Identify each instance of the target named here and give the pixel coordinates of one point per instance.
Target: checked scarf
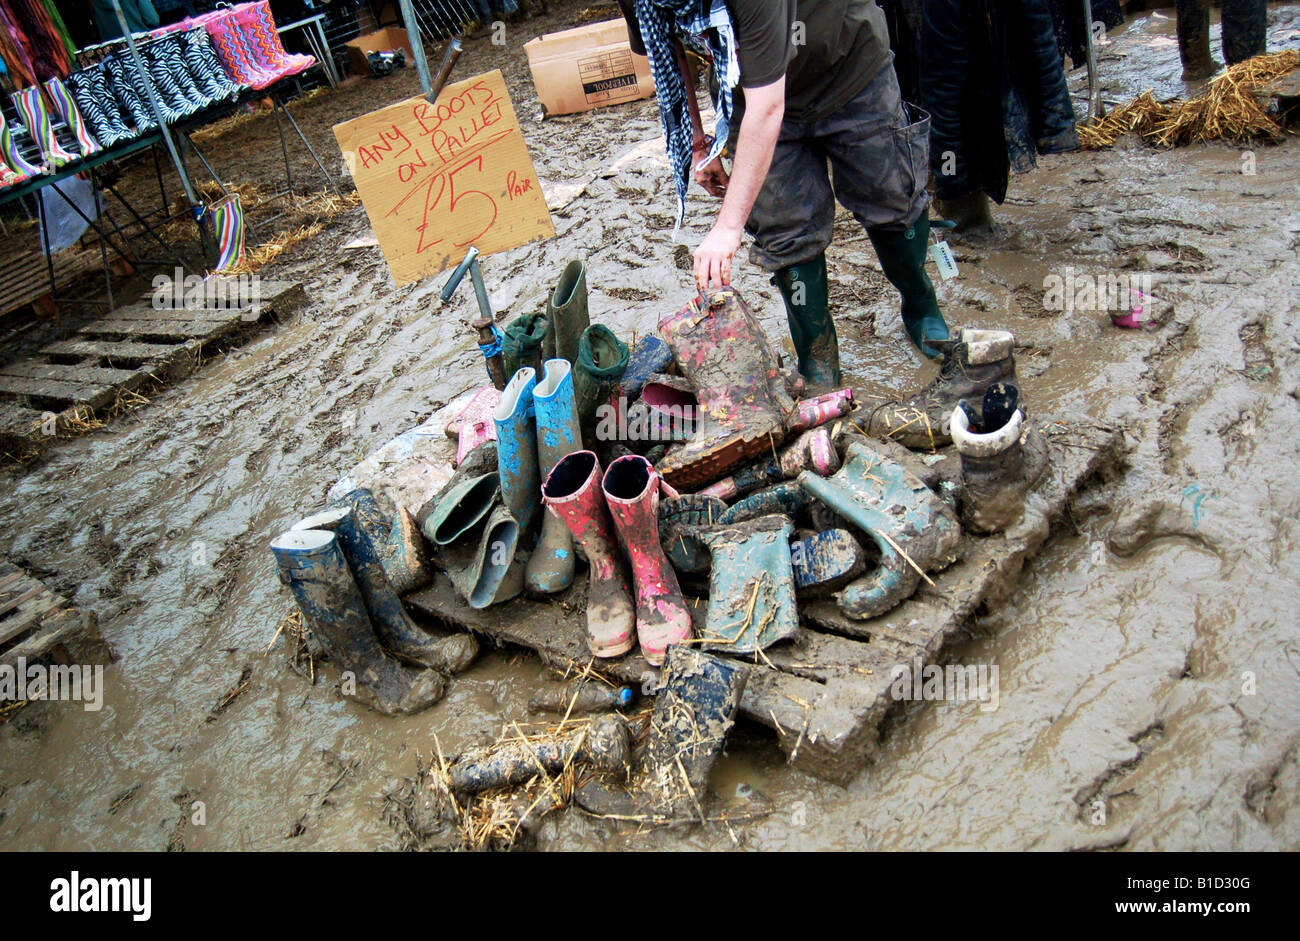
(690, 20)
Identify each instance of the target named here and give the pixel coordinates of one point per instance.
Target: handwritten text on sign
(437, 178)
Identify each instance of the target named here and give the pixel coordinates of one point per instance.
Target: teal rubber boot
(806, 294)
(902, 257)
(904, 518)
(550, 568)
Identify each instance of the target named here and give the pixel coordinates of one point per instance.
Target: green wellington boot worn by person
(902, 257)
(803, 288)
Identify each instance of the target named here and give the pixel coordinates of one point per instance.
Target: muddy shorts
(873, 155)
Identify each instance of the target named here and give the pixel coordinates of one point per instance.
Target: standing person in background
(993, 80)
(1244, 25)
(140, 17)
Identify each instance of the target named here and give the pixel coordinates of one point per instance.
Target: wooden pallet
(156, 340)
(25, 277)
(825, 694)
(38, 625)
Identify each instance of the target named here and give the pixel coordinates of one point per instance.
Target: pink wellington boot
(474, 425)
(631, 487)
(573, 493)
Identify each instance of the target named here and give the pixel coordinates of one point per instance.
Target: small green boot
(803, 288)
(566, 309)
(902, 257)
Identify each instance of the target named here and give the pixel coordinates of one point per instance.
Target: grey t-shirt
(828, 50)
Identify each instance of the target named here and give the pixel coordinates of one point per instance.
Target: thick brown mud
(1149, 661)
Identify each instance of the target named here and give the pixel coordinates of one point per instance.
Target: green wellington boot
(805, 292)
(566, 310)
(902, 258)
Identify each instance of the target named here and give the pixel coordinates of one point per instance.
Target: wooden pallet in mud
(157, 340)
(38, 625)
(25, 277)
(825, 694)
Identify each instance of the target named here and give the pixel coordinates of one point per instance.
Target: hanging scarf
(705, 25)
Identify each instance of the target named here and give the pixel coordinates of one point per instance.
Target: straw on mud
(577, 688)
(907, 558)
(1228, 110)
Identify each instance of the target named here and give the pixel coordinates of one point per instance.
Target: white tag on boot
(943, 259)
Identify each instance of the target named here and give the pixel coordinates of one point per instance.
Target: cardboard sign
(438, 178)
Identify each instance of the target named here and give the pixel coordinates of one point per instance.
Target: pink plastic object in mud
(1140, 317)
(474, 425)
(809, 413)
(632, 486)
(811, 451)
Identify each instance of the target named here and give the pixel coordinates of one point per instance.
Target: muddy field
(1149, 660)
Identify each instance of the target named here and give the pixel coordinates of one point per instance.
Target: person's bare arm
(759, 130)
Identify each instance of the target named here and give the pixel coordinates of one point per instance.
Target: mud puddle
(1147, 700)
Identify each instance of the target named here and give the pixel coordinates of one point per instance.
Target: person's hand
(713, 257)
(711, 176)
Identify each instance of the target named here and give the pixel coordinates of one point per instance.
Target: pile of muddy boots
(342, 566)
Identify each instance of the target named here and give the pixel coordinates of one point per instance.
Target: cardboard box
(381, 40)
(588, 67)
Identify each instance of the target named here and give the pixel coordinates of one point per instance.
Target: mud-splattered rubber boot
(604, 746)
(522, 343)
(573, 493)
(517, 450)
(694, 711)
(751, 586)
(896, 511)
(806, 294)
(474, 425)
(396, 539)
(399, 635)
(631, 489)
(550, 568)
(1245, 25)
(312, 564)
(461, 508)
(821, 409)
(743, 403)
(602, 360)
(825, 561)
(902, 255)
(999, 465)
(651, 355)
(786, 498)
(972, 361)
(811, 451)
(567, 313)
(681, 522)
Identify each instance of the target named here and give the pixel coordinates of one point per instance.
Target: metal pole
(1095, 108)
(142, 76)
(412, 27)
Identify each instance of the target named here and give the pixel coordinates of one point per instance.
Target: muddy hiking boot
(550, 567)
(573, 494)
(1002, 457)
(567, 314)
(398, 634)
(902, 254)
(972, 361)
(695, 709)
(312, 564)
(805, 292)
(744, 407)
(631, 487)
